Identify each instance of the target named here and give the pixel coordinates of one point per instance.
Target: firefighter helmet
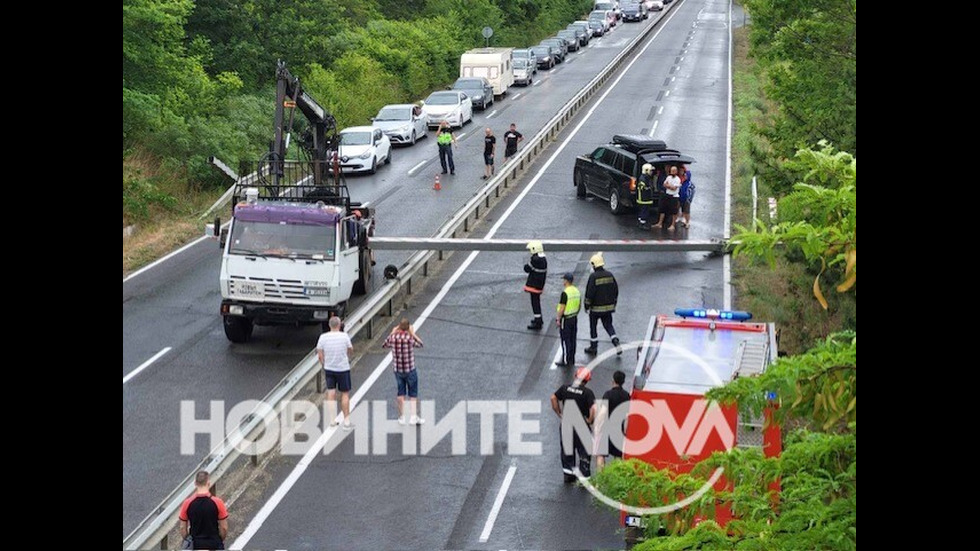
(535, 247)
(597, 261)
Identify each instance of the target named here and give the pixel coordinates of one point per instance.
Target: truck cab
(293, 255)
(684, 356)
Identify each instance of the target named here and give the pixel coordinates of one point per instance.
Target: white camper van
(493, 64)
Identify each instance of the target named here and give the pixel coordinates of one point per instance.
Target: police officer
(568, 306)
(446, 141)
(537, 272)
(575, 394)
(644, 193)
(601, 294)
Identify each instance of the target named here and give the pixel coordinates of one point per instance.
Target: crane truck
(296, 249)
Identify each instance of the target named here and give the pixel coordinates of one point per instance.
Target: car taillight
(632, 184)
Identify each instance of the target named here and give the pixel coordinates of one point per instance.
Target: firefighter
(537, 272)
(601, 294)
(575, 395)
(569, 305)
(644, 193)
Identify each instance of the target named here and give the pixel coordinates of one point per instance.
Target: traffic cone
(437, 186)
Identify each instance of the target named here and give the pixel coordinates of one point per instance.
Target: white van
(493, 64)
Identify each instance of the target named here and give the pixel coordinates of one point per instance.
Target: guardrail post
(466, 224)
(370, 327)
(319, 381)
(476, 212)
(408, 286)
(390, 312)
(440, 255)
(425, 272)
(163, 543)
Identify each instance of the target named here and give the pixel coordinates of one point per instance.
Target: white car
(363, 148)
(399, 123)
(655, 5)
(452, 106)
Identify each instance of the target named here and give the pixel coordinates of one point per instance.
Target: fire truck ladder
(751, 359)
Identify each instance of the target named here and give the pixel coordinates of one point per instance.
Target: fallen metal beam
(225, 169)
(550, 245)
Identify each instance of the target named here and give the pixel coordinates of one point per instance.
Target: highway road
(472, 317)
(174, 348)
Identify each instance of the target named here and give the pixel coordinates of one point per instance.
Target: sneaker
(347, 425)
(444, 172)
(561, 363)
(416, 420)
(334, 423)
(401, 420)
(453, 173)
(484, 177)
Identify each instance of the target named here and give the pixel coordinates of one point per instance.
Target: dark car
(560, 47)
(597, 25)
(571, 37)
(478, 89)
(526, 53)
(612, 170)
(582, 31)
(634, 10)
(544, 57)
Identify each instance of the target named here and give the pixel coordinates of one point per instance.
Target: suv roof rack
(637, 143)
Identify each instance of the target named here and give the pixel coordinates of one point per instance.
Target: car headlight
(365, 155)
(547, 58)
(406, 128)
(478, 96)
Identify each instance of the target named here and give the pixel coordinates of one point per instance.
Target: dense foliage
(816, 503)
(807, 52)
(198, 76)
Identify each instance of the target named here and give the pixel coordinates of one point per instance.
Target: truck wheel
(580, 190)
(237, 328)
(615, 202)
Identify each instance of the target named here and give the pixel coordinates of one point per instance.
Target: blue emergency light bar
(703, 313)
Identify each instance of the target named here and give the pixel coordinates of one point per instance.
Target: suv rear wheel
(615, 202)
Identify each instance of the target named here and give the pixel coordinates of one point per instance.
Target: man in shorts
(334, 349)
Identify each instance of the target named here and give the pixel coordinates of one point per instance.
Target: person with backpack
(686, 196)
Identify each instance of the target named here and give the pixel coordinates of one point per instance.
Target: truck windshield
(282, 240)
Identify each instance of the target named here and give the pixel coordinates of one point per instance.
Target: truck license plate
(249, 289)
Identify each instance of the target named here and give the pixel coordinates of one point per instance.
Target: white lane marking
(667, 93)
(492, 113)
(460, 137)
(682, 57)
(570, 61)
(557, 357)
(654, 129)
(536, 82)
(553, 70)
(497, 504)
(169, 255)
(517, 95)
(672, 79)
(726, 265)
(145, 365)
(661, 110)
(256, 523)
(411, 171)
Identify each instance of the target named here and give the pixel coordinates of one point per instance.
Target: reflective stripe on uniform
(530, 289)
(603, 308)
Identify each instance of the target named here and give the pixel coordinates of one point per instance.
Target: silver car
(401, 124)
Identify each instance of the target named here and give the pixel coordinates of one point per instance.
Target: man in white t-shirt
(670, 199)
(334, 349)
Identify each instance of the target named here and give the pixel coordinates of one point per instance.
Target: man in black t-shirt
(203, 516)
(584, 400)
(612, 399)
(511, 138)
(489, 148)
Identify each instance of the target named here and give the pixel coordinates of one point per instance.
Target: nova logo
(688, 437)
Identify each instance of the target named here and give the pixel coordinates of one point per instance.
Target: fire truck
(684, 356)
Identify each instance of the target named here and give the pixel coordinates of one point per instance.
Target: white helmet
(535, 247)
(648, 168)
(597, 261)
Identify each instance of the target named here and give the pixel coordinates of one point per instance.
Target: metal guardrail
(154, 529)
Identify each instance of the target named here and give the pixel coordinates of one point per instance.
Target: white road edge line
(145, 365)
(497, 504)
(411, 171)
(169, 255)
(517, 95)
(726, 263)
(269, 506)
(492, 113)
(536, 82)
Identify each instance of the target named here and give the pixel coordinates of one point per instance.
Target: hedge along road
(477, 348)
(175, 304)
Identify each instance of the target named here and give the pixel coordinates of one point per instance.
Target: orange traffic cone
(437, 186)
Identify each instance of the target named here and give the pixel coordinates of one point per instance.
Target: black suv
(612, 170)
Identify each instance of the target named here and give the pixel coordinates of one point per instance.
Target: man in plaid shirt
(403, 341)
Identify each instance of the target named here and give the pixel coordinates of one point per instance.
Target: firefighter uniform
(575, 395)
(644, 193)
(537, 272)
(601, 294)
(569, 305)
